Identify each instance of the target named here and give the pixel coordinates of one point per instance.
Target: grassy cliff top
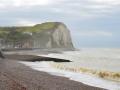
(35, 28)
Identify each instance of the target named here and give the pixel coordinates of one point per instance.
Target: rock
(49, 35)
(1, 55)
(57, 37)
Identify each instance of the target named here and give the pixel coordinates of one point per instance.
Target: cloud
(95, 33)
(25, 23)
(68, 9)
(28, 3)
(87, 8)
(108, 2)
(19, 3)
(95, 19)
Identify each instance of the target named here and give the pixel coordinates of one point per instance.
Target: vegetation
(36, 28)
(21, 33)
(40, 27)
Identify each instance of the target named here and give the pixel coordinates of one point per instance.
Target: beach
(17, 76)
(86, 68)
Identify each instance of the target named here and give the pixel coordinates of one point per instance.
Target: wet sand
(16, 76)
(33, 58)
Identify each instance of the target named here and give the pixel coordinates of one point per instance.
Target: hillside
(46, 35)
(35, 28)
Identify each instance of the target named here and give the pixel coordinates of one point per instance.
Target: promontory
(47, 35)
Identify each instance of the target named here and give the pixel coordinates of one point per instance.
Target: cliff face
(49, 35)
(57, 37)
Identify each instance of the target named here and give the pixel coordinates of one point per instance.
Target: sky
(93, 23)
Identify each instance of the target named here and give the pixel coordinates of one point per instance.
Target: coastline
(16, 76)
(87, 79)
(40, 65)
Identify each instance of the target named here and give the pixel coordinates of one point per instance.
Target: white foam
(97, 59)
(80, 77)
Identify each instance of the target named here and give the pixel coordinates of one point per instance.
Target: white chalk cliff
(56, 37)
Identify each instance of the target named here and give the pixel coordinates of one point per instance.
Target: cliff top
(35, 28)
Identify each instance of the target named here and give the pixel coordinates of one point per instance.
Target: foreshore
(17, 76)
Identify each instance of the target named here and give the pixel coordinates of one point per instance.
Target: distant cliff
(47, 35)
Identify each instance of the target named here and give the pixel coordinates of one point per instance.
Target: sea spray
(115, 76)
(80, 77)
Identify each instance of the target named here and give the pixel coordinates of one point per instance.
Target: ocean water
(104, 59)
(93, 58)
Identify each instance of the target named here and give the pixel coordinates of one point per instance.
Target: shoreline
(17, 76)
(108, 75)
(28, 58)
(79, 77)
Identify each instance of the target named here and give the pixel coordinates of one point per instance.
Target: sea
(100, 59)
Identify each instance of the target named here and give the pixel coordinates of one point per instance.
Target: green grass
(36, 28)
(4, 31)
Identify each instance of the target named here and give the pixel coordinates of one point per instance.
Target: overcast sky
(93, 23)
